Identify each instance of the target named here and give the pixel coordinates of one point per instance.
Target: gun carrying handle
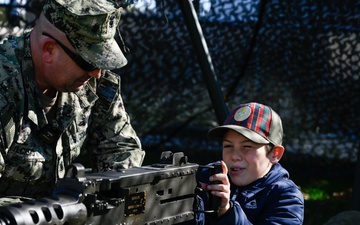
(75, 170)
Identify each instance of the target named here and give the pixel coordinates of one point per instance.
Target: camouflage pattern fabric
(35, 151)
(90, 26)
(12, 200)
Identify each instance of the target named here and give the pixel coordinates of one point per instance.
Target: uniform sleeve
(2, 162)
(2, 146)
(7, 129)
(112, 139)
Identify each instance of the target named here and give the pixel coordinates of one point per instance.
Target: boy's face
(247, 161)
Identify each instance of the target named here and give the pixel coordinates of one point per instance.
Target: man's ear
(277, 153)
(48, 47)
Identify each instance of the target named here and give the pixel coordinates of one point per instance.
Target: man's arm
(111, 138)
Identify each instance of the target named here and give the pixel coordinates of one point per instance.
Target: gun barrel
(62, 209)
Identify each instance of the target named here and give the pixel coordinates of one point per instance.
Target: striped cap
(255, 121)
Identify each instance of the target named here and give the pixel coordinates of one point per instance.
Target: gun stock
(161, 193)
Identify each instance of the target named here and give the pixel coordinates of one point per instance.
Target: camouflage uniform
(34, 152)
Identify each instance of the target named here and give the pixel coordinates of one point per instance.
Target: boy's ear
(277, 153)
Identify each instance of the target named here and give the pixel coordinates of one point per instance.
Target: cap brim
(218, 133)
(105, 55)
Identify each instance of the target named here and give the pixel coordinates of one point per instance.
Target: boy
(255, 188)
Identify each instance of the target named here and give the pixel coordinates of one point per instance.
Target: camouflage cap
(90, 26)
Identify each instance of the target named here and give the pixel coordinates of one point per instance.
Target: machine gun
(161, 193)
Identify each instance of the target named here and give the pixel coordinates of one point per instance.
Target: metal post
(202, 52)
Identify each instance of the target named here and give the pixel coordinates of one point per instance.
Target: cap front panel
(253, 116)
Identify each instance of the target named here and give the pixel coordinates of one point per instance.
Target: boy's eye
(227, 146)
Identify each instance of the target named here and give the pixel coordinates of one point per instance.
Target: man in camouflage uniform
(58, 98)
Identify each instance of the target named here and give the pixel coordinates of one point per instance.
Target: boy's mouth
(236, 170)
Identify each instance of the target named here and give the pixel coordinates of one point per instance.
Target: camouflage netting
(300, 57)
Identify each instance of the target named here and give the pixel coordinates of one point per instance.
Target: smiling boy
(255, 188)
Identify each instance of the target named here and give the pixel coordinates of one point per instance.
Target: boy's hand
(221, 190)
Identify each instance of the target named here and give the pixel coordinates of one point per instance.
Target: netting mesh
(300, 57)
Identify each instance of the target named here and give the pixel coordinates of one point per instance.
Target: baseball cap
(90, 27)
(257, 122)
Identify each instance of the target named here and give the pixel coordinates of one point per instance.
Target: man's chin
(75, 88)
